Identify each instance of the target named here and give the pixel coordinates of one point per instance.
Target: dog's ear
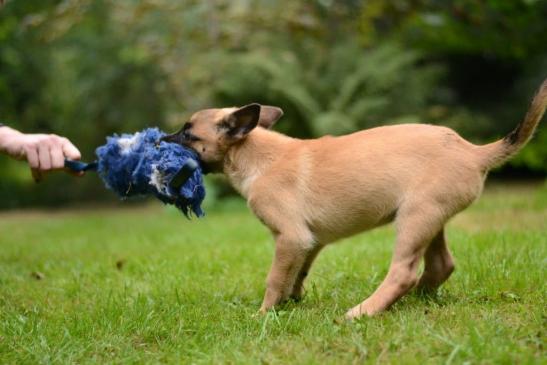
(269, 115)
(240, 122)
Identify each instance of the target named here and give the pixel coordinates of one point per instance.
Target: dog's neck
(252, 157)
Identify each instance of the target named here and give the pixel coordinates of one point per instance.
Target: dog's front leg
(298, 287)
(290, 256)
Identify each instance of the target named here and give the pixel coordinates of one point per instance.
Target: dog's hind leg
(417, 225)
(298, 287)
(439, 264)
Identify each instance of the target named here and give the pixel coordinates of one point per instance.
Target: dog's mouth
(179, 138)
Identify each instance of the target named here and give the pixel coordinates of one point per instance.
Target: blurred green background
(89, 68)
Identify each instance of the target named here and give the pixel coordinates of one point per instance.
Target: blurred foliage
(89, 68)
(362, 89)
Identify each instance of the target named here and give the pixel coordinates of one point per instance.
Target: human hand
(44, 152)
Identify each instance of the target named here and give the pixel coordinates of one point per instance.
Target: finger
(34, 163)
(36, 175)
(70, 151)
(57, 157)
(32, 157)
(44, 157)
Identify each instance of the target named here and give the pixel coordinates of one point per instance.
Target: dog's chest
(242, 179)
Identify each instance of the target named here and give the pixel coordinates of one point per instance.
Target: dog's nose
(173, 138)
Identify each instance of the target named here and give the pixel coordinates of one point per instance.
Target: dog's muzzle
(177, 137)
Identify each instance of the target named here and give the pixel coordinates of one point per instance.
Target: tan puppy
(313, 192)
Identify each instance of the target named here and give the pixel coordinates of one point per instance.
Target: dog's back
(343, 185)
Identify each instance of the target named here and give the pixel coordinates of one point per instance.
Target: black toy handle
(180, 178)
(79, 166)
(185, 172)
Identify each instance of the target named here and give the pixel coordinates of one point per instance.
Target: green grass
(188, 291)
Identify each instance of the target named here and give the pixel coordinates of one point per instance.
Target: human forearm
(9, 142)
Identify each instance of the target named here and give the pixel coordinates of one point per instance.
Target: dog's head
(211, 132)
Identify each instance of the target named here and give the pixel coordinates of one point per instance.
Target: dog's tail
(496, 153)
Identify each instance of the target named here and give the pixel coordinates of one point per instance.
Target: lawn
(145, 285)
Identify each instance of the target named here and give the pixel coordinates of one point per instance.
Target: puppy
(313, 192)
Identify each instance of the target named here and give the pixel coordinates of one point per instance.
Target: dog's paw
(359, 311)
(257, 315)
(296, 298)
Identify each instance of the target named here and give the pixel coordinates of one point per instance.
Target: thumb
(70, 151)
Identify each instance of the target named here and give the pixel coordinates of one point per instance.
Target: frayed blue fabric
(141, 164)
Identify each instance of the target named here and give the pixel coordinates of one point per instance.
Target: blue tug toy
(143, 164)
